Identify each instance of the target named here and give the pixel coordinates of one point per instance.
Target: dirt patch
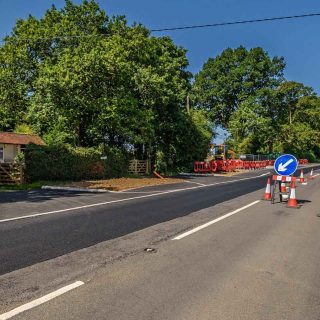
(121, 184)
(230, 174)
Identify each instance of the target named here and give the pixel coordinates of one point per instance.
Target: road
(46, 237)
(261, 263)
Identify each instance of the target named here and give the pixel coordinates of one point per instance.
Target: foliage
(83, 79)
(23, 128)
(20, 159)
(232, 77)
(86, 79)
(245, 91)
(186, 140)
(25, 186)
(116, 163)
(66, 163)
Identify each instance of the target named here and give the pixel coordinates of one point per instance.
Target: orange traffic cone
(311, 176)
(292, 202)
(267, 194)
(283, 190)
(302, 181)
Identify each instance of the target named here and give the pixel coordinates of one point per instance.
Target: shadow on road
(36, 196)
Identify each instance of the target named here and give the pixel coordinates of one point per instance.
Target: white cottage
(12, 143)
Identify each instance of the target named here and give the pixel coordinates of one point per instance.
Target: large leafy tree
(234, 76)
(284, 119)
(78, 76)
(290, 93)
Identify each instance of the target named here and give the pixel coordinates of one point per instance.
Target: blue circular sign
(286, 165)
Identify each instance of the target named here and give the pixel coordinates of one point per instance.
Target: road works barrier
(229, 165)
(303, 161)
(233, 164)
(286, 188)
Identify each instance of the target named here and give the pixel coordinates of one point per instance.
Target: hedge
(72, 164)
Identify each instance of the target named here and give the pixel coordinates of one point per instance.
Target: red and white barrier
(232, 165)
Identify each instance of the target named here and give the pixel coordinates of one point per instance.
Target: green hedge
(67, 163)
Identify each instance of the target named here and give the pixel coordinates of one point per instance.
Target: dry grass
(121, 184)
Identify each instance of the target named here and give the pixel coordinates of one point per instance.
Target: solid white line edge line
(188, 233)
(40, 301)
(127, 199)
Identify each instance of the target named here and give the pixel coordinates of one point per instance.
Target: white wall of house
(9, 152)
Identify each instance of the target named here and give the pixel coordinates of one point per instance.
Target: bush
(66, 163)
(116, 163)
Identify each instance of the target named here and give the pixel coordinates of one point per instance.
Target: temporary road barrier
(281, 181)
(303, 161)
(232, 165)
(283, 178)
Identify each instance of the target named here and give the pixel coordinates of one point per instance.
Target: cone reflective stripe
(283, 190)
(292, 202)
(301, 176)
(311, 176)
(267, 194)
(302, 181)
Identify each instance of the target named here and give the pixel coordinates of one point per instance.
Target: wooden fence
(139, 167)
(10, 173)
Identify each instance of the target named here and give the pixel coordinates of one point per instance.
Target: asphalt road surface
(29, 241)
(260, 263)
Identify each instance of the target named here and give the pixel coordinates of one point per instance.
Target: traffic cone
(267, 194)
(292, 202)
(302, 181)
(311, 176)
(283, 190)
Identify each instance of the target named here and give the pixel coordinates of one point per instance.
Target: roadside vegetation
(92, 85)
(245, 92)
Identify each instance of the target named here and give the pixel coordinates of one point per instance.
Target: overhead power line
(220, 24)
(169, 29)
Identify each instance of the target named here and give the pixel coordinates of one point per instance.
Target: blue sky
(296, 40)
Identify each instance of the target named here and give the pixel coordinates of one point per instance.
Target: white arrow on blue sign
(286, 165)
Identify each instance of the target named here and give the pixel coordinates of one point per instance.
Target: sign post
(285, 166)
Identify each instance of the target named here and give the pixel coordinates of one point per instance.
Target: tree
(86, 79)
(290, 93)
(232, 77)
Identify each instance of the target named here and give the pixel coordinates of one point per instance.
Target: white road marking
(127, 199)
(133, 192)
(198, 183)
(40, 301)
(188, 233)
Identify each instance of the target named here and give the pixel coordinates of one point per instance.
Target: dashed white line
(188, 233)
(136, 192)
(127, 199)
(198, 183)
(40, 301)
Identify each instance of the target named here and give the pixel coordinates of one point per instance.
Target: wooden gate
(10, 173)
(139, 167)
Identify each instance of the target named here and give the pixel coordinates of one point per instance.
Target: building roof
(18, 138)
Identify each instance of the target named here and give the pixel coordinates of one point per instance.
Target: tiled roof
(18, 138)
